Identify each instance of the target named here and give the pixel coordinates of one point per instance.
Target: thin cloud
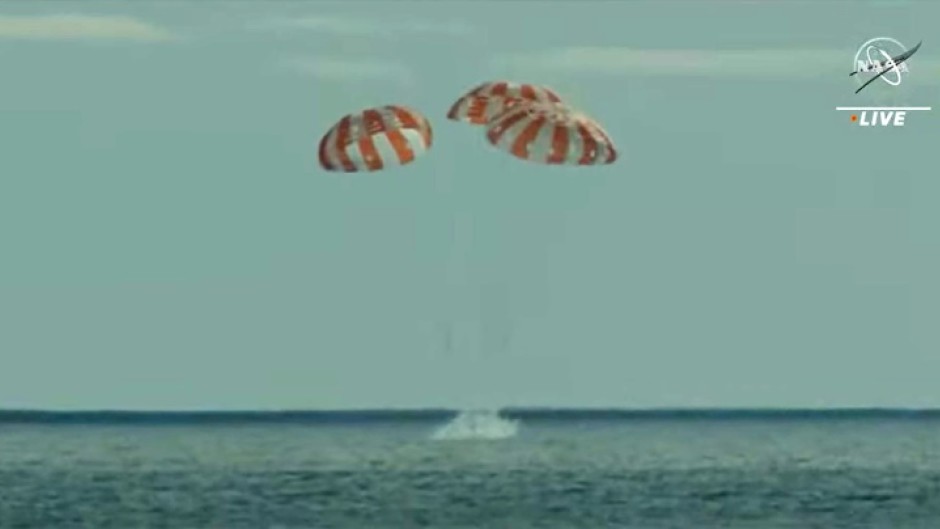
(698, 63)
(348, 69)
(367, 27)
(80, 27)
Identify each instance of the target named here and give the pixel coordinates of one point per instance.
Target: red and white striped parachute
(551, 133)
(483, 102)
(375, 138)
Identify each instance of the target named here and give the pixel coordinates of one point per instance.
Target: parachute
(486, 100)
(551, 133)
(529, 121)
(375, 138)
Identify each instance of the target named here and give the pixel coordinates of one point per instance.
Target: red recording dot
(854, 117)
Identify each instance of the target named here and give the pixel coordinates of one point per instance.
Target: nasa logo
(882, 58)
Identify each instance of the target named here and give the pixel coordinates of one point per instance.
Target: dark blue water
(864, 469)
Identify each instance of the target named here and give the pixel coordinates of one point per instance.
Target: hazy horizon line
(362, 415)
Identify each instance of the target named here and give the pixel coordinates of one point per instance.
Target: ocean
(435, 469)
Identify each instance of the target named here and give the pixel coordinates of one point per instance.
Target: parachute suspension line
(449, 194)
(530, 122)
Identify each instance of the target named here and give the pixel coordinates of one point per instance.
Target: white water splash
(477, 425)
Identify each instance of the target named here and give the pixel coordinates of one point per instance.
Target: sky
(168, 240)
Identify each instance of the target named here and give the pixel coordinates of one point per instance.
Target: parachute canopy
(551, 133)
(486, 100)
(375, 138)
